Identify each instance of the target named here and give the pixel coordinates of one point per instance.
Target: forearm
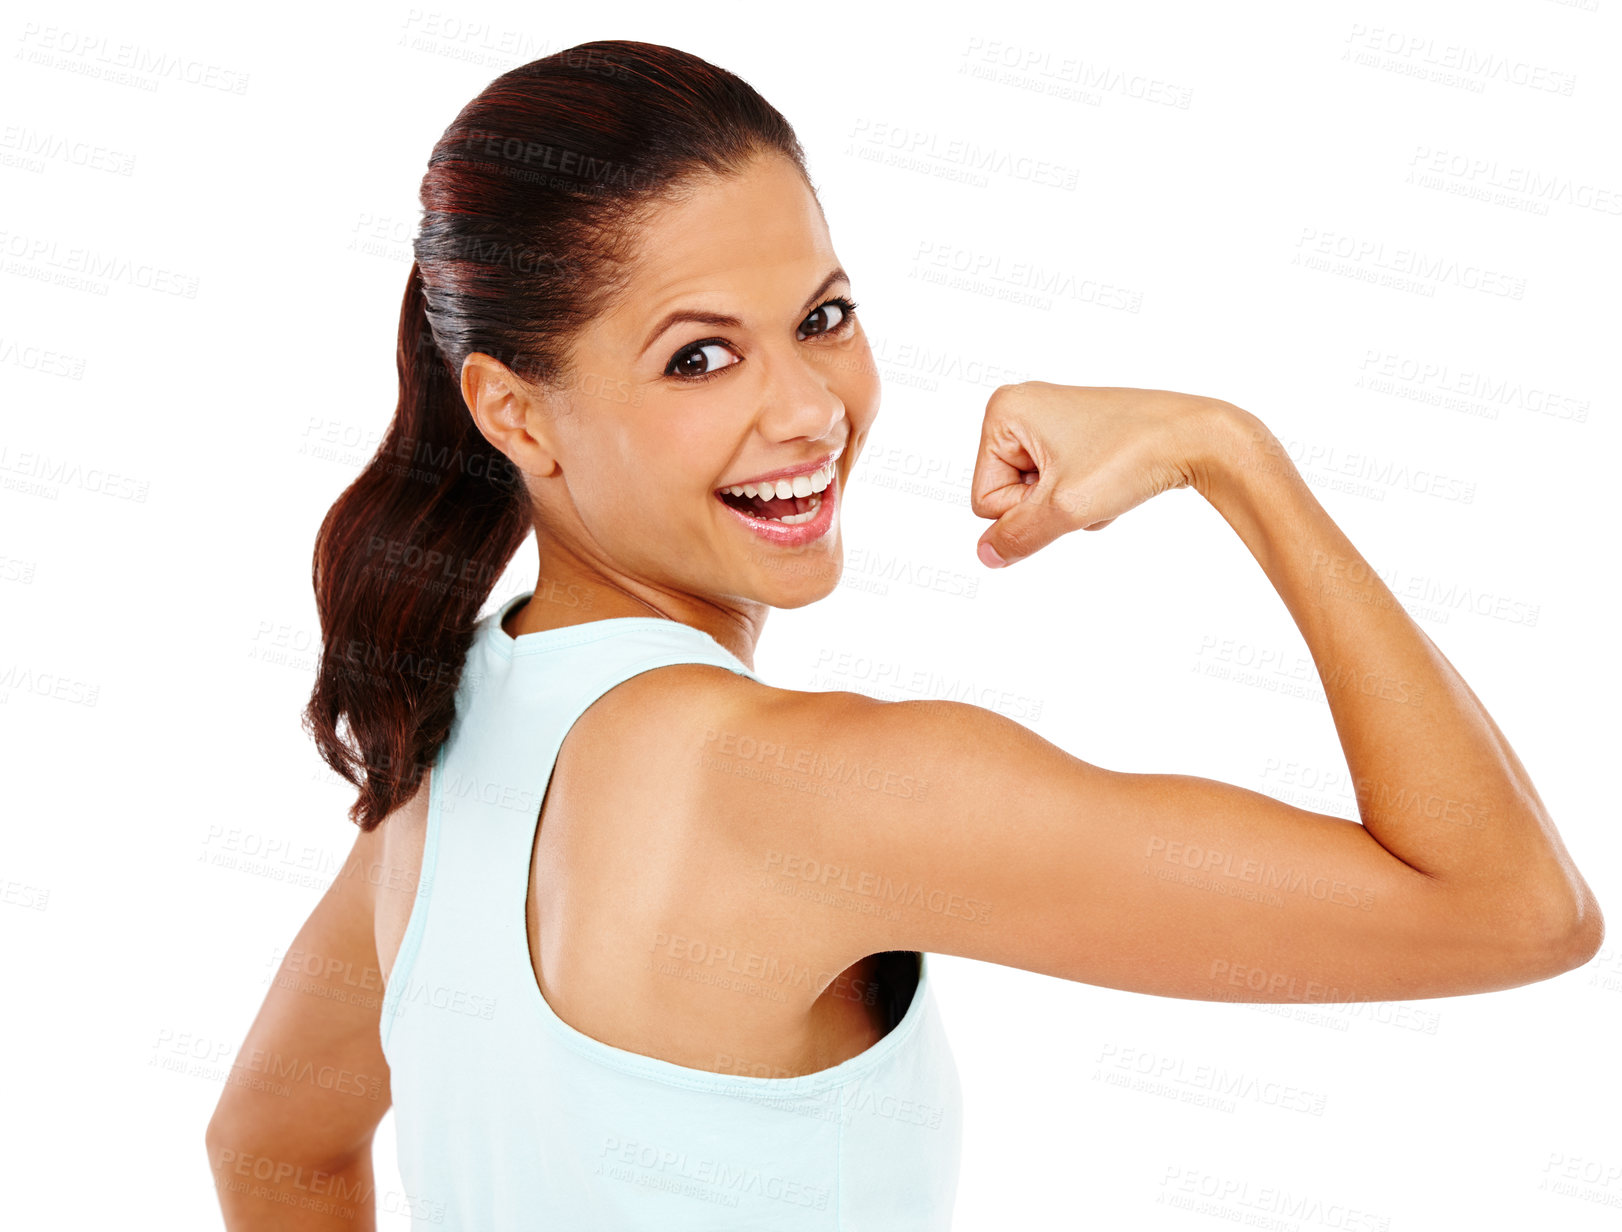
(1437, 784)
(259, 1191)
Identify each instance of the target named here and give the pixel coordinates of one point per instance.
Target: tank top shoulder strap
(516, 700)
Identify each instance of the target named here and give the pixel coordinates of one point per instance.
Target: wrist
(1234, 449)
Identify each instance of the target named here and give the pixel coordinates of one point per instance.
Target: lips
(787, 472)
(820, 509)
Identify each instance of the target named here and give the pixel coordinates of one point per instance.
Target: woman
(627, 327)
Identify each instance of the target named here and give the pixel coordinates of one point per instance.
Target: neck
(569, 591)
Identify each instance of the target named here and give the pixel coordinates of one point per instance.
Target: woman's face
(726, 359)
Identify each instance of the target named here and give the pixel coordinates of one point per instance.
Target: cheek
(659, 502)
(871, 390)
(862, 389)
(672, 495)
(858, 361)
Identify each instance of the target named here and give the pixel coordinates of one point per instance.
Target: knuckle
(1023, 539)
(1005, 394)
(1015, 543)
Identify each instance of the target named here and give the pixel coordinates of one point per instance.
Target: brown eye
(695, 360)
(820, 323)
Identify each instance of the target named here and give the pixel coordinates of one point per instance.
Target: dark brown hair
(531, 204)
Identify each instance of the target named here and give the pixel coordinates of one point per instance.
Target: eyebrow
(723, 321)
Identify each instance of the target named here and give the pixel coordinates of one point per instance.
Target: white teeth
(792, 519)
(782, 489)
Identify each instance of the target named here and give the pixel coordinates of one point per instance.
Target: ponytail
(530, 205)
(404, 560)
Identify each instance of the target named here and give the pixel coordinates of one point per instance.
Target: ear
(509, 414)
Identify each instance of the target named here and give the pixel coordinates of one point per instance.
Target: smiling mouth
(788, 501)
(790, 510)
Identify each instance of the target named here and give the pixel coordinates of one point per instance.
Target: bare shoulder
(651, 738)
(851, 809)
(750, 784)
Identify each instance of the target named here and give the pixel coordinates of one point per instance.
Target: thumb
(1026, 528)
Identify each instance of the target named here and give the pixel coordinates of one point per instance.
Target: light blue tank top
(508, 1118)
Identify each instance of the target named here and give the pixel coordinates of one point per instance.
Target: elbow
(216, 1142)
(218, 1138)
(1569, 937)
(230, 1132)
(1587, 932)
(224, 1116)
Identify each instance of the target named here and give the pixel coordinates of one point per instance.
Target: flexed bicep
(968, 834)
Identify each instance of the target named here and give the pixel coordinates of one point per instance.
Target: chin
(793, 581)
(803, 595)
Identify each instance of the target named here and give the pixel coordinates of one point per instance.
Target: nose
(800, 396)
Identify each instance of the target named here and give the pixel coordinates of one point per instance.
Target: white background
(167, 458)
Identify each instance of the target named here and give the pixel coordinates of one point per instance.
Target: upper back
(633, 883)
(651, 993)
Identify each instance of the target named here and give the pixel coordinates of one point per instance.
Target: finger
(998, 501)
(1030, 525)
(1000, 467)
(996, 486)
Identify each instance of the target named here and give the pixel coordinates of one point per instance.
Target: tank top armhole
(411, 941)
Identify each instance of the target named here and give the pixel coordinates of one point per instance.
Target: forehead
(737, 243)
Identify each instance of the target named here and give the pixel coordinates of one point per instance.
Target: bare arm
(953, 829)
(290, 1142)
(1413, 731)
